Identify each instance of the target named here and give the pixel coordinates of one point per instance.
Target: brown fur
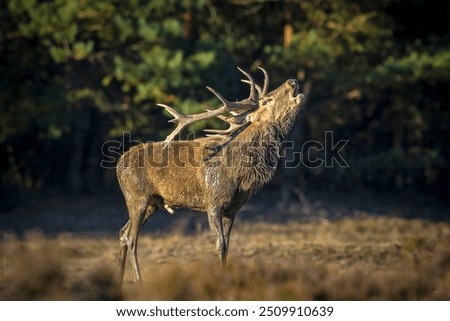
(212, 174)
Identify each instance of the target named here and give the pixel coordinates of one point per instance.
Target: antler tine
(230, 130)
(178, 117)
(224, 101)
(266, 82)
(231, 120)
(235, 123)
(229, 106)
(252, 84)
(258, 89)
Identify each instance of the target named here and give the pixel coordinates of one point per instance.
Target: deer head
(279, 107)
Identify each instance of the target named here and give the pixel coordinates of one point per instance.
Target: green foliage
(413, 67)
(75, 73)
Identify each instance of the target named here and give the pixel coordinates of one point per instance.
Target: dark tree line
(75, 74)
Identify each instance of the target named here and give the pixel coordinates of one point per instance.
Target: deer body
(214, 174)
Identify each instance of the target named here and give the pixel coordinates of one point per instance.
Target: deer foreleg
(227, 222)
(132, 247)
(216, 226)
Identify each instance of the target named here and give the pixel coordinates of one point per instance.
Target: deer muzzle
(296, 96)
(294, 85)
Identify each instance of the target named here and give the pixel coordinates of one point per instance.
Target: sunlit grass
(360, 259)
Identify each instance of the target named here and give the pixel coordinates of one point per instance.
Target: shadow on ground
(106, 214)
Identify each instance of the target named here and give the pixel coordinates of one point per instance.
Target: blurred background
(75, 74)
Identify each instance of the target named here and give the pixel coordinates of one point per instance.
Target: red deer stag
(214, 174)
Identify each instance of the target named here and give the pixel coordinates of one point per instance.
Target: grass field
(365, 258)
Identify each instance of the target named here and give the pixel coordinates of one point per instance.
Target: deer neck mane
(252, 156)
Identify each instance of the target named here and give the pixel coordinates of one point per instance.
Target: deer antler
(261, 92)
(266, 82)
(236, 122)
(250, 81)
(238, 110)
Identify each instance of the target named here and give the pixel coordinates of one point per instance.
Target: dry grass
(359, 259)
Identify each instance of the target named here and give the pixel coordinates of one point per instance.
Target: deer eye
(266, 101)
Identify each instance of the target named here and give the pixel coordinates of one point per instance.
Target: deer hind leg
(139, 213)
(123, 235)
(216, 226)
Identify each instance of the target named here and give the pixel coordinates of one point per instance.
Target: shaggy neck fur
(252, 157)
